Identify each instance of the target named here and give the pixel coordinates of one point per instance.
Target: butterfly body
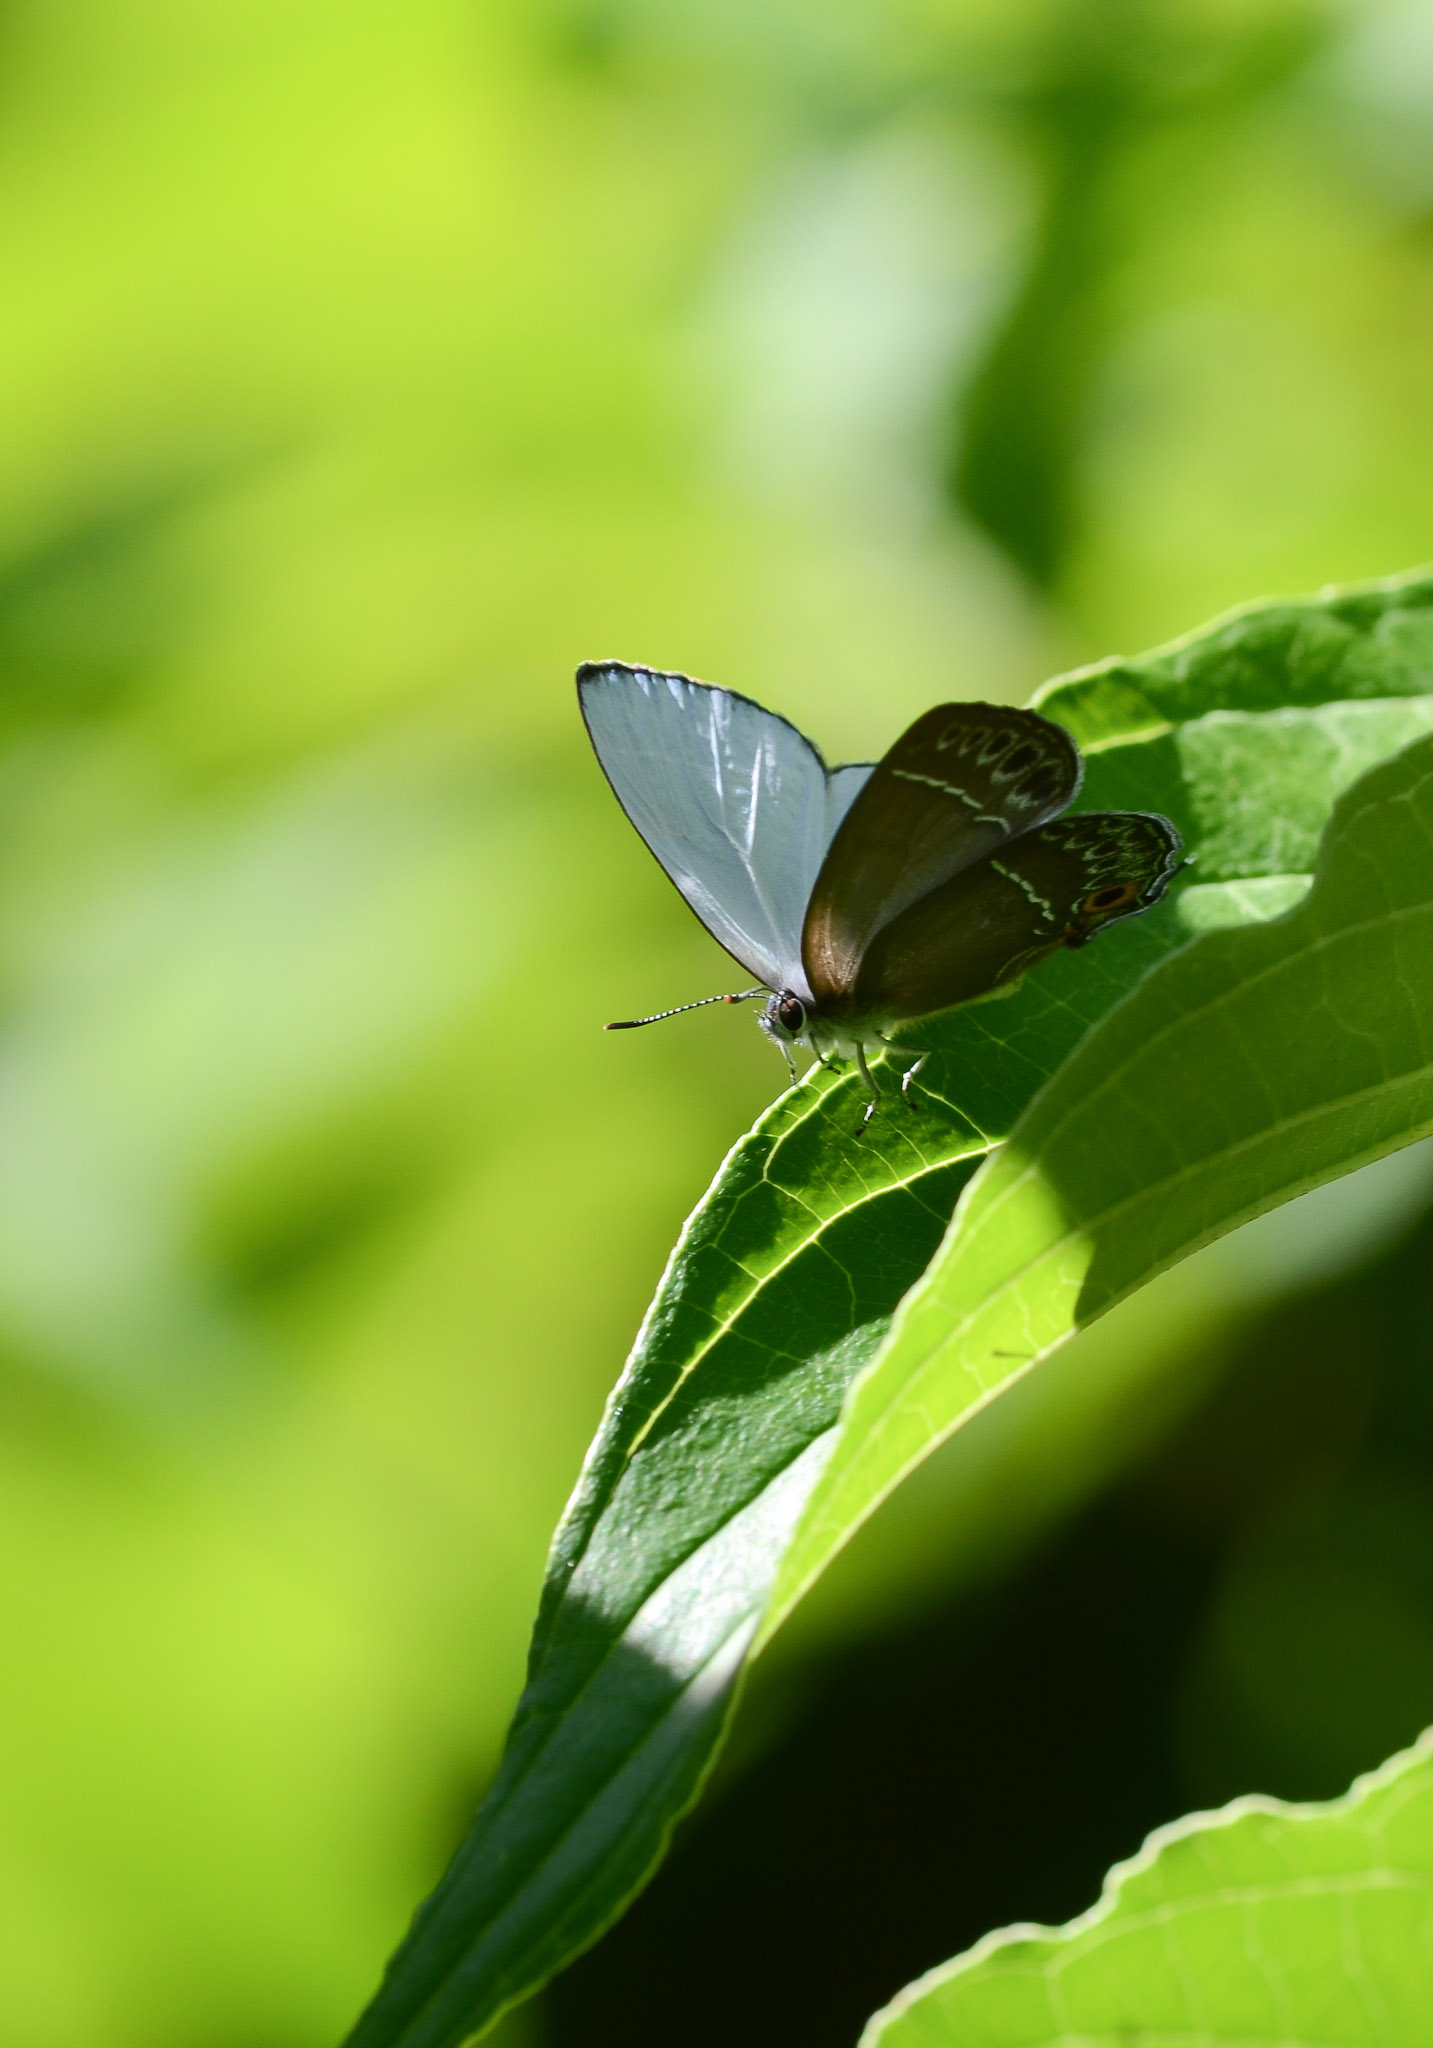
(865, 898)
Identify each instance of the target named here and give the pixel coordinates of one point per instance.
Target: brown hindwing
(1056, 886)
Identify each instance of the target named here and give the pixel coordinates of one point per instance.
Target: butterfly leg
(790, 1061)
(870, 1080)
(910, 1073)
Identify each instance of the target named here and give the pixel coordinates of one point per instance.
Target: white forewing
(737, 806)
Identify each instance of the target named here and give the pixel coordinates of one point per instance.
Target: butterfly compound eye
(791, 1014)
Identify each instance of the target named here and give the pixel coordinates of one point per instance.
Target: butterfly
(867, 897)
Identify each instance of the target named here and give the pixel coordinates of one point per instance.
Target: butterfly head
(785, 1017)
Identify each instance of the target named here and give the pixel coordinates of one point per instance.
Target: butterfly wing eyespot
(1114, 896)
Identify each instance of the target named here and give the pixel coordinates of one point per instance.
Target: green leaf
(781, 1288)
(1374, 640)
(1260, 1926)
(781, 1293)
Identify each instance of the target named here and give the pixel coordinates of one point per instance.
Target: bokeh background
(363, 368)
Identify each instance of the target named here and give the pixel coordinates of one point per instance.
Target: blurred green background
(362, 369)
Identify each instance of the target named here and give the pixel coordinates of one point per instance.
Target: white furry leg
(870, 1080)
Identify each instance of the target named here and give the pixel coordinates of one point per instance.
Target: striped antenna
(631, 1023)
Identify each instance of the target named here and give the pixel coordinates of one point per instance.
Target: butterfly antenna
(631, 1023)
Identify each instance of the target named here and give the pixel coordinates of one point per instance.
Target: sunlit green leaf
(1261, 1925)
(1375, 640)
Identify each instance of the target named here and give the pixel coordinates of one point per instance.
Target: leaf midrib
(554, 1848)
(557, 1717)
(773, 1272)
(767, 1479)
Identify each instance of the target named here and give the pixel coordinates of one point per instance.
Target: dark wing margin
(960, 783)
